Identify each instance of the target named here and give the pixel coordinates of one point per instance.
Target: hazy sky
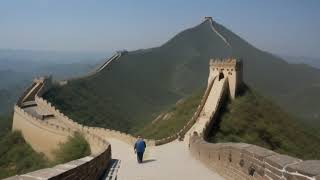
(289, 27)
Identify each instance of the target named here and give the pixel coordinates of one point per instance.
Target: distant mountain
(8, 98)
(27, 59)
(141, 85)
(315, 62)
(10, 78)
(13, 83)
(19, 67)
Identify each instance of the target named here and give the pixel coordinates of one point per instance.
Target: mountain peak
(214, 29)
(175, 70)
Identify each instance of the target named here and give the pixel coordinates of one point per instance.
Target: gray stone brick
(309, 168)
(279, 160)
(258, 152)
(43, 173)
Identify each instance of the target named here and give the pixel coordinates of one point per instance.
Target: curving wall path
(44, 127)
(184, 155)
(40, 123)
(44, 136)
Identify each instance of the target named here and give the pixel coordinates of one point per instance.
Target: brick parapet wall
(74, 125)
(20, 100)
(91, 137)
(203, 128)
(56, 129)
(104, 132)
(87, 168)
(46, 84)
(246, 161)
(90, 167)
(222, 97)
(190, 123)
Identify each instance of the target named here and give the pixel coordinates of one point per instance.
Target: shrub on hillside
(5, 124)
(74, 148)
(172, 121)
(17, 157)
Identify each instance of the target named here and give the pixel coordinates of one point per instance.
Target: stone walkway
(167, 162)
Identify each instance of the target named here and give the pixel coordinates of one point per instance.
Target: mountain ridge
(144, 83)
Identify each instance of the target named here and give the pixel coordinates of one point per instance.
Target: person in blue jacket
(139, 148)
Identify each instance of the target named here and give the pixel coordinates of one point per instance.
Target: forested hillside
(141, 85)
(252, 118)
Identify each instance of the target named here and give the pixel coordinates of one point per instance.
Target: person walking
(139, 148)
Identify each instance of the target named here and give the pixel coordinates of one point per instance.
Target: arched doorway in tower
(221, 76)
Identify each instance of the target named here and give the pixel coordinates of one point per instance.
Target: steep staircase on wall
(210, 106)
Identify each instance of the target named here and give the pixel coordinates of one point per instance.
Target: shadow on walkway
(148, 160)
(112, 171)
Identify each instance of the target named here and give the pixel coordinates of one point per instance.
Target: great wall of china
(44, 127)
(99, 68)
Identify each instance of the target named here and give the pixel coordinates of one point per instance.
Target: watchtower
(208, 18)
(231, 69)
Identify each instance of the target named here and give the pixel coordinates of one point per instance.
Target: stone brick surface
(308, 168)
(274, 170)
(44, 173)
(90, 167)
(245, 161)
(21, 178)
(272, 176)
(258, 152)
(279, 160)
(296, 177)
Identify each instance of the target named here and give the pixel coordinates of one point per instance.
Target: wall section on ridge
(44, 128)
(46, 136)
(239, 160)
(103, 132)
(38, 133)
(183, 132)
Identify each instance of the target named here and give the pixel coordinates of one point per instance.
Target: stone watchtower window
(221, 76)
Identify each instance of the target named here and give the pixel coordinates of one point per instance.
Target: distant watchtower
(230, 69)
(208, 18)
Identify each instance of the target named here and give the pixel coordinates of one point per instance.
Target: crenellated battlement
(229, 64)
